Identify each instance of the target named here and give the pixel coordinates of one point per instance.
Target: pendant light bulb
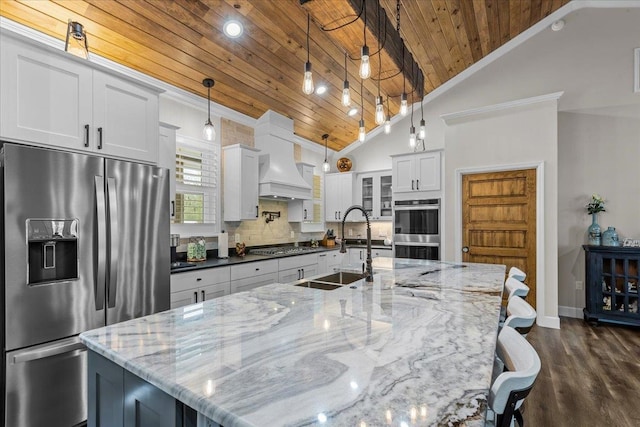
(387, 125)
(412, 137)
(307, 83)
(404, 108)
(362, 132)
(379, 111)
(209, 131)
(423, 130)
(346, 94)
(325, 166)
(365, 65)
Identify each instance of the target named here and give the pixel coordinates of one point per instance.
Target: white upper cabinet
(302, 210)
(374, 195)
(338, 195)
(52, 98)
(240, 182)
(416, 173)
(167, 159)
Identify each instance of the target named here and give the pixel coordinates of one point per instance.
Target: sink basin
(342, 278)
(318, 285)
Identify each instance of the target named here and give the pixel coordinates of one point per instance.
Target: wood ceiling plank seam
(504, 21)
(534, 17)
(480, 10)
(546, 8)
(525, 14)
(424, 47)
(514, 18)
(471, 28)
(493, 23)
(443, 14)
(461, 33)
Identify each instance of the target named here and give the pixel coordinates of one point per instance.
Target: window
(197, 177)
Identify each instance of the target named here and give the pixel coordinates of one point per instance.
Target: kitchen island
(415, 347)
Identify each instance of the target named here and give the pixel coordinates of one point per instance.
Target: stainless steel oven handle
(417, 208)
(113, 243)
(416, 244)
(99, 287)
(52, 350)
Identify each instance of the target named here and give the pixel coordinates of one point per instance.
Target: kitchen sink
(318, 285)
(343, 278)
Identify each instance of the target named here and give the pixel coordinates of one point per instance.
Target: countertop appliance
(416, 229)
(85, 244)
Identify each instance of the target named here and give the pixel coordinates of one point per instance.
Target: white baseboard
(574, 312)
(548, 322)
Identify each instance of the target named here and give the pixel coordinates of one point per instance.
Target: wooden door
(499, 221)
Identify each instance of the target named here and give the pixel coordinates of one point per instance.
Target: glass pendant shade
(325, 166)
(387, 125)
(404, 107)
(365, 65)
(209, 132)
(423, 130)
(379, 111)
(346, 94)
(362, 133)
(307, 83)
(412, 137)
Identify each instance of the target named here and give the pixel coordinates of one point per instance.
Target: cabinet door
(46, 98)
(381, 252)
(147, 405)
(249, 186)
(366, 187)
(182, 298)
(106, 392)
(428, 172)
(323, 265)
(310, 271)
(214, 291)
(334, 260)
(384, 197)
(346, 194)
(403, 174)
(332, 197)
(125, 118)
(167, 159)
(240, 183)
(290, 275)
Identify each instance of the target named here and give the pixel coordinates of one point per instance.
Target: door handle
(99, 288)
(62, 347)
(173, 208)
(99, 138)
(86, 135)
(465, 249)
(114, 242)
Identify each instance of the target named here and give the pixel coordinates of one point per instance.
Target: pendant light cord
(209, 103)
(308, 27)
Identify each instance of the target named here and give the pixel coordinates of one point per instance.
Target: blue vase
(610, 237)
(594, 231)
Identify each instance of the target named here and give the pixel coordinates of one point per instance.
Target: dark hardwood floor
(590, 376)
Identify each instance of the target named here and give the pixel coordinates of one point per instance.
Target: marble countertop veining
(414, 348)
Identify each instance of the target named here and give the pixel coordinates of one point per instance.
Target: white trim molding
(636, 70)
(544, 321)
(451, 118)
(574, 312)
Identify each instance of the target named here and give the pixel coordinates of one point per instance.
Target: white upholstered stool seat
(517, 274)
(515, 287)
(521, 316)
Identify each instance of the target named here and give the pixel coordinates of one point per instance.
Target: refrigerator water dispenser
(52, 250)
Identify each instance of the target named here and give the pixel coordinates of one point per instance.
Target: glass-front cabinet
(374, 195)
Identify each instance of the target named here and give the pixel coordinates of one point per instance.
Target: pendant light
(412, 129)
(423, 128)
(365, 66)
(403, 98)
(208, 132)
(346, 93)
(76, 40)
(307, 82)
(387, 123)
(362, 132)
(379, 117)
(325, 166)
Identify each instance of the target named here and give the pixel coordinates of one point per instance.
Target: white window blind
(197, 178)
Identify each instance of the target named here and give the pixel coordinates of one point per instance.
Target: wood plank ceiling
(181, 42)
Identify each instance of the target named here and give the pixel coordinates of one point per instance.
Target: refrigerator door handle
(99, 287)
(61, 347)
(113, 243)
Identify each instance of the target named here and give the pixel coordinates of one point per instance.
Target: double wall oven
(416, 229)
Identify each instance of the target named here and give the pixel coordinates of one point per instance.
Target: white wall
(597, 154)
(189, 118)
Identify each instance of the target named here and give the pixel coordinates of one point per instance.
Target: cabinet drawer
(249, 283)
(297, 261)
(195, 279)
(253, 269)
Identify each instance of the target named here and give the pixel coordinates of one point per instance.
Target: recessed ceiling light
(352, 111)
(321, 89)
(232, 28)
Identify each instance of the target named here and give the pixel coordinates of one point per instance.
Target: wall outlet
(578, 285)
(293, 234)
(237, 238)
(350, 232)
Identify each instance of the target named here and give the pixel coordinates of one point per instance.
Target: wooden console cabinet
(612, 278)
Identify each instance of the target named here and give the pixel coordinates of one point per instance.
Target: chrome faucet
(343, 246)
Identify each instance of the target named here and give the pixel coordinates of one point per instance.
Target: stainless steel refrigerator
(85, 244)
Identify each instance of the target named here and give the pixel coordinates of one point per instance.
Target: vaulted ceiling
(181, 42)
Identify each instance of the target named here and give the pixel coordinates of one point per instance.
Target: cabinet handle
(173, 208)
(198, 279)
(100, 138)
(360, 255)
(339, 215)
(302, 274)
(299, 274)
(202, 293)
(257, 269)
(412, 185)
(86, 135)
(417, 184)
(335, 214)
(305, 214)
(195, 296)
(257, 207)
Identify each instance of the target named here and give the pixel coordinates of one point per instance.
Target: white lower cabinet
(381, 252)
(253, 274)
(328, 262)
(295, 268)
(196, 286)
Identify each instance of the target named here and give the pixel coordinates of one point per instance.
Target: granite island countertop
(415, 347)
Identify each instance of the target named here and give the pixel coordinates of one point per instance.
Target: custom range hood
(279, 176)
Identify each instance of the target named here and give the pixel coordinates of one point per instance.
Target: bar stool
(510, 388)
(517, 274)
(521, 316)
(515, 287)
